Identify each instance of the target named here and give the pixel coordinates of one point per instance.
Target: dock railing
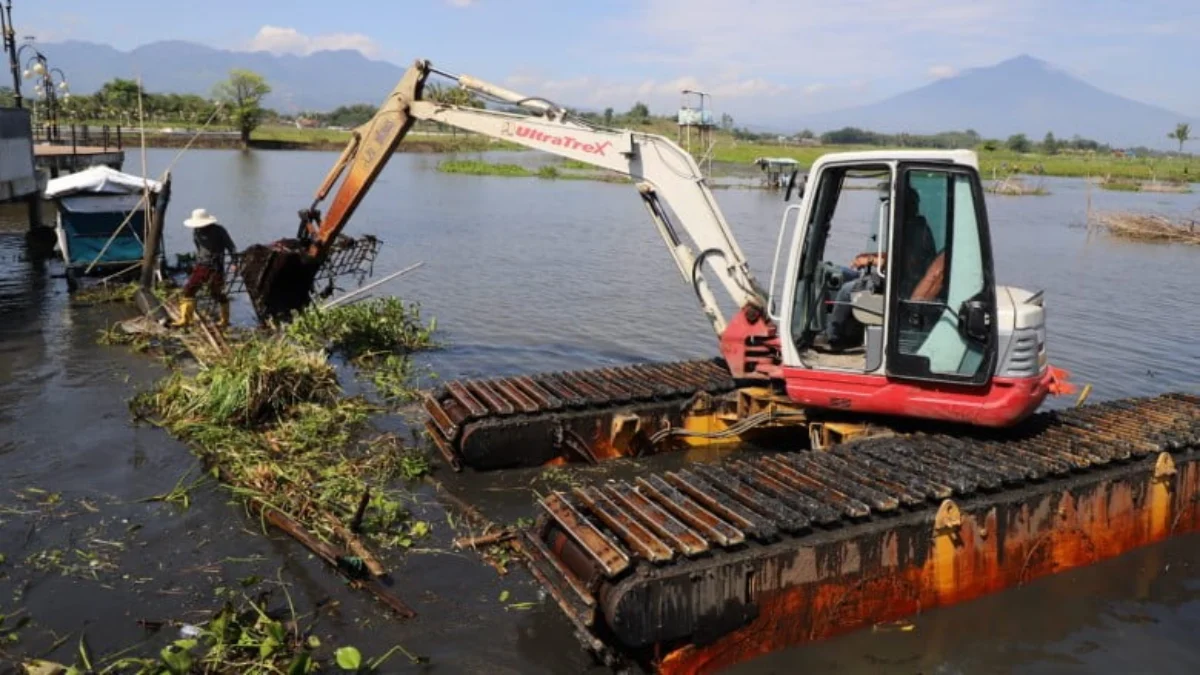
(104, 136)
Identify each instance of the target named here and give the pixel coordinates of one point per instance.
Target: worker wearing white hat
(212, 241)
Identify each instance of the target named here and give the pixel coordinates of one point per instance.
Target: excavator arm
(369, 149)
(665, 175)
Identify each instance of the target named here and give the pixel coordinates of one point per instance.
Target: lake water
(525, 275)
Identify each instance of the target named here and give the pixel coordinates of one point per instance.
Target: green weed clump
(365, 330)
(103, 294)
(475, 167)
(124, 293)
(257, 382)
(270, 419)
(1120, 184)
(377, 336)
(246, 639)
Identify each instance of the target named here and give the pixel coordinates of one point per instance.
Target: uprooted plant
(270, 419)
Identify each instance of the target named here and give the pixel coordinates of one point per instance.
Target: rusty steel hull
(576, 416)
(698, 569)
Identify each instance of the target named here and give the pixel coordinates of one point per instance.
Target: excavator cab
(912, 317)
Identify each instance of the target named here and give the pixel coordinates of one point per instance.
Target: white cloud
(280, 40)
(847, 39)
(943, 71)
(462, 3)
(660, 95)
(815, 88)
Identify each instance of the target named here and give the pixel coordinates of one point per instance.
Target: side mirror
(975, 321)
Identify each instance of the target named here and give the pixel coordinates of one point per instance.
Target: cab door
(941, 317)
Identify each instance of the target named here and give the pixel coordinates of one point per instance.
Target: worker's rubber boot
(187, 310)
(223, 310)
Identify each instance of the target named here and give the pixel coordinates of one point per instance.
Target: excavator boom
(366, 154)
(666, 176)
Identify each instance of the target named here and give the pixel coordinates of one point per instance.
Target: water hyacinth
(364, 330)
(269, 417)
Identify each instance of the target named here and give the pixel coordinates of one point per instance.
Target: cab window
(940, 265)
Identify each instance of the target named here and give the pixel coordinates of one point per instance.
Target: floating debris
(268, 416)
(1147, 227)
(1015, 186)
(1134, 185)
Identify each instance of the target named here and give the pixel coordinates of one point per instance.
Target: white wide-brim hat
(200, 218)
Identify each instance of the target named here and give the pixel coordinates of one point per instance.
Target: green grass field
(998, 163)
(293, 135)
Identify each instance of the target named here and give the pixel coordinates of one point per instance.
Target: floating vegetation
(270, 418)
(106, 293)
(1147, 227)
(1117, 184)
(576, 170)
(395, 379)
(1015, 186)
(475, 167)
(377, 336)
(365, 330)
(115, 334)
(1170, 187)
(1133, 185)
(244, 639)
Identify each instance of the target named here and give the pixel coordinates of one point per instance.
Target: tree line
(237, 102)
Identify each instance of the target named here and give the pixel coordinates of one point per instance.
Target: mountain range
(1019, 95)
(319, 81)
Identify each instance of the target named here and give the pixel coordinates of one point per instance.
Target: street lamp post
(10, 48)
(37, 66)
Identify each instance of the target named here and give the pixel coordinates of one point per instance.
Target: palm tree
(1182, 134)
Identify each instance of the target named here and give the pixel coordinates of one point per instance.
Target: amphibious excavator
(908, 468)
(937, 338)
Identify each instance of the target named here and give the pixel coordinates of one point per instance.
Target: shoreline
(416, 143)
(990, 167)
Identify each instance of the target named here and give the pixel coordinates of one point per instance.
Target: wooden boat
(101, 219)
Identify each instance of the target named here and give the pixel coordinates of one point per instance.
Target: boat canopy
(99, 180)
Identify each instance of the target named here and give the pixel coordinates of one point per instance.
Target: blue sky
(752, 55)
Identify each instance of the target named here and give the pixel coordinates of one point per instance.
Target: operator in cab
(212, 242)
(920, 277)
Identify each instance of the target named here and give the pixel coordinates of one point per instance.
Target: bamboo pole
(343, 298)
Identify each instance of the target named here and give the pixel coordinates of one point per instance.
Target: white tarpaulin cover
(109, 203)
(99, 180)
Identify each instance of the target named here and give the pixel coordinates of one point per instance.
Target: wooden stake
(356, 522)
(357, 548)
(484, 539)
(334, 557)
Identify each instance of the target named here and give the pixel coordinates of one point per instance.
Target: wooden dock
(59, 159)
